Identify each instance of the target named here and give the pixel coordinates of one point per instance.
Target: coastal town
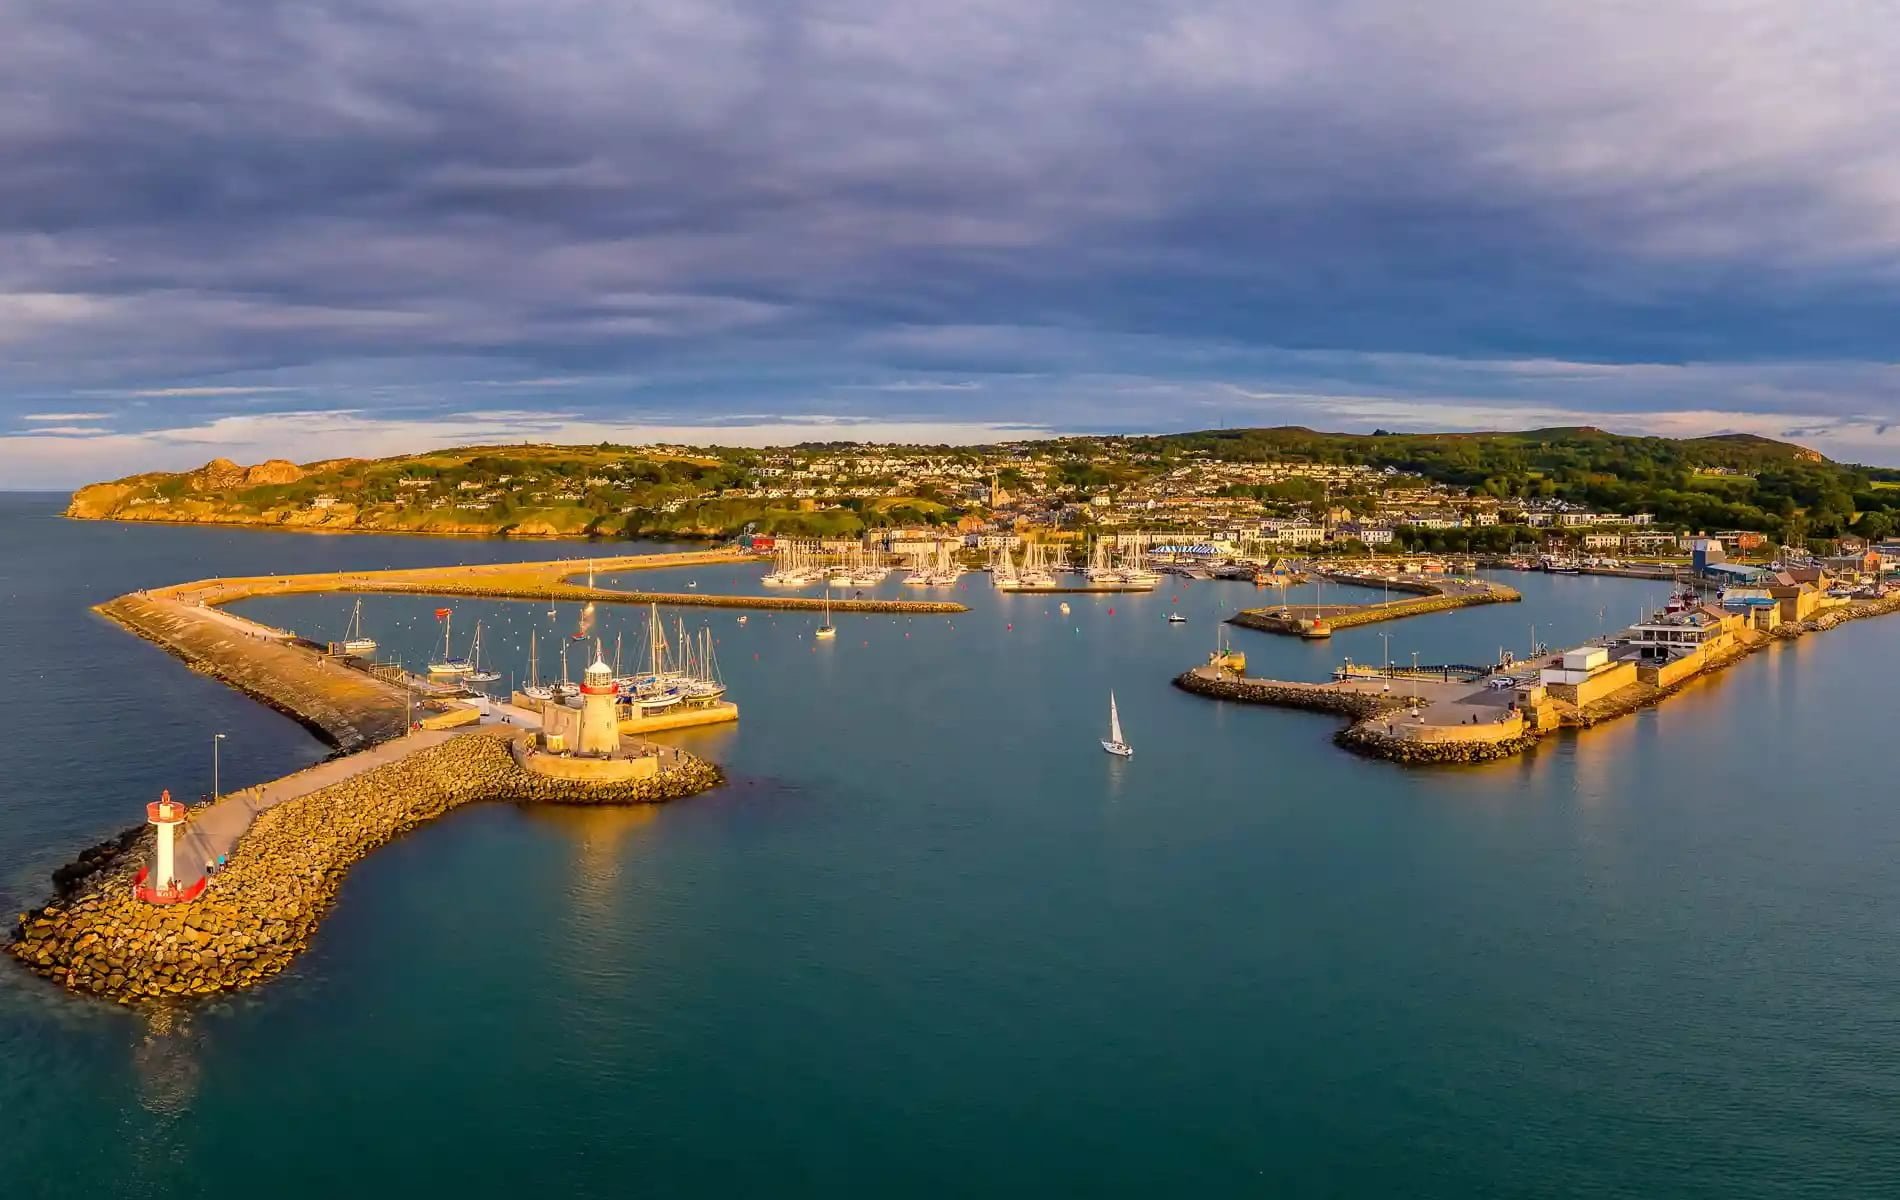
(194, 900)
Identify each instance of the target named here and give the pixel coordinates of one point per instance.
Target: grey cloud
(711, 193)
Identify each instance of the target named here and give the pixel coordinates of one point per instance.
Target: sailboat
(475, 674)
(354, 641)
(448, 664)
(826, 630)
(657, 692)
(586, 625)
(535, 689)
(1113, 742)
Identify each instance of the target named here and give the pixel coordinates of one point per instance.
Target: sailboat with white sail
(827, 630)
(1114, 743)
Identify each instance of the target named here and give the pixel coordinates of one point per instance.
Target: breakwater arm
(1300, 620)
(257, 914)
(549, 580)
(347, 708)
(1464, 722)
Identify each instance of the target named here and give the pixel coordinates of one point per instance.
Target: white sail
(1114, 721)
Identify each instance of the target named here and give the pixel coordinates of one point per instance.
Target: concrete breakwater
(1388, 740)
(1299, 620)
(258, 913)
(541, 581)
(1381, 724)
(1316, 697)
(347, 708)
(1378, 730)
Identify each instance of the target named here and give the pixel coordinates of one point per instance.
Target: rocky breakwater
(1435, 598)
(262, 909)
(1317, 697)
(1378, 738)
(1380, 727)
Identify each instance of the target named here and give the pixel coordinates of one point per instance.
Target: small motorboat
(1175, 618)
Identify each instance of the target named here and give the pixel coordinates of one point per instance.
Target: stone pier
(259, 912)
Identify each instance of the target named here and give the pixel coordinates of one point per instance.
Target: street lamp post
(215, 790)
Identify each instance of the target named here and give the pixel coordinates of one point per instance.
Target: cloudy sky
(367, 226)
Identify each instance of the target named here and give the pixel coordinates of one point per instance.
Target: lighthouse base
(144, 890)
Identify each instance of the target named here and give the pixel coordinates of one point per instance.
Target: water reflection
(166, 1060)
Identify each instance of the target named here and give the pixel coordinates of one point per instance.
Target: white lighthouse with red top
(158, 883)
(600, 726)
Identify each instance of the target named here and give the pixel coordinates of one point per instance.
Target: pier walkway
(215, 828)
(548, 580)
(348, 708)
(1317, 620)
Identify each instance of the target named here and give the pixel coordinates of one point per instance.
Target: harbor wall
(260, 911)
(1315, 697)
(1418, 744)
(1269, 620)
(1470, 743)
(347, 708)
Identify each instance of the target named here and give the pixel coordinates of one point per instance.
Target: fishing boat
(475, 674)
(448, 665)
(354, 640)
(826, 630)
(1113, 743)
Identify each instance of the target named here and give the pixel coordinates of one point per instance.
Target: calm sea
(931, 941)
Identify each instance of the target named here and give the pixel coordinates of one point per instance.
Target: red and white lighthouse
(158, 883)
(600, 726)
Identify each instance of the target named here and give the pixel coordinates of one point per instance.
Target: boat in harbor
(793, 565)
(1114, 743)
(475, 673)
(827, 630)
(534, 689)
(586, 625)
(1175, 618)
(447, 666)
(355, 641)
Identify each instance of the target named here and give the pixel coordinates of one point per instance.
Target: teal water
(930, 941)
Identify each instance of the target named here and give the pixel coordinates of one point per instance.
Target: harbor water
(931, 941)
